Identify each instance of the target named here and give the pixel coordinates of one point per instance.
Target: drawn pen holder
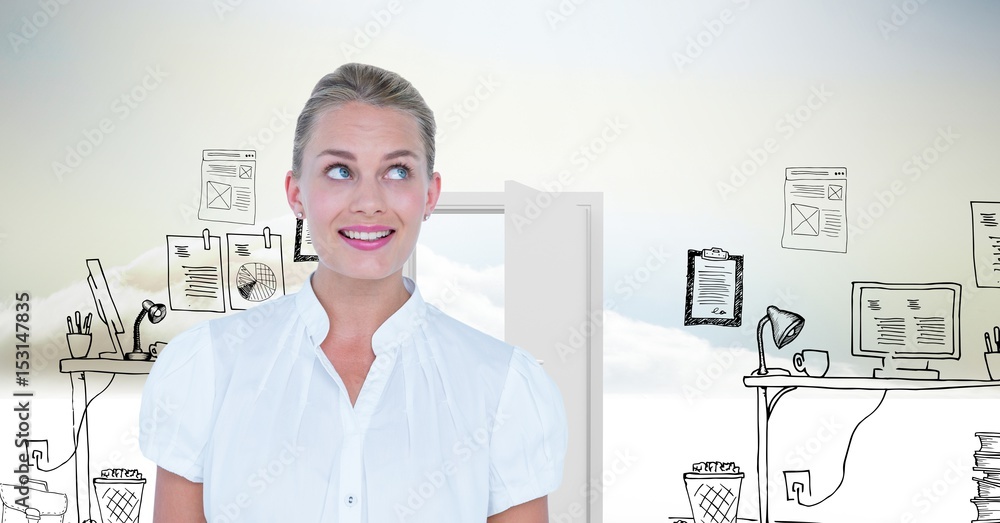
(993, 365)
(79, 344)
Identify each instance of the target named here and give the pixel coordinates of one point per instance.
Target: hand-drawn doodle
(194, 273)
(992, 354)
(119, 495)
(713, 490)
(156, 313)
(228, 179)
(987, 461)
(815, 209)
(256, 270)
(31, 502)
(785, 327)
(304, 249)
(714, 288)
(906, 324)
(106, 309)
(986, 243)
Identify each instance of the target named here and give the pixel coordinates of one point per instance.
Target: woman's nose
(368, 196)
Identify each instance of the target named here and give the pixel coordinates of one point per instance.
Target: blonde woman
(354, 401)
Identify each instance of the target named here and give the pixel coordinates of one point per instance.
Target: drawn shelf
(104, 365)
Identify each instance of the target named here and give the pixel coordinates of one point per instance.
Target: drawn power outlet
(797, 485)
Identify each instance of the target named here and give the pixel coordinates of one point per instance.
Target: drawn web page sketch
(714, 288)
(228, 179)
(256, 271)
(815, 209)
(986, 243)
(194, 273)
(304, 249)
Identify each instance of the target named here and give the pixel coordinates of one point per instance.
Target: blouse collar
(395, 331)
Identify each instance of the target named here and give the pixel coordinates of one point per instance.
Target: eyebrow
(347, 155)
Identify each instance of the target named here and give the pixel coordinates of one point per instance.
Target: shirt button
(351, 500)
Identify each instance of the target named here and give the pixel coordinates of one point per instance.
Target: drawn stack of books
(987, 461)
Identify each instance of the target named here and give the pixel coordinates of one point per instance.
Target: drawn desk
(78, 368)
(771, 388)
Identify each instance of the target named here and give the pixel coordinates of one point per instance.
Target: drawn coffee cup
(813, 362)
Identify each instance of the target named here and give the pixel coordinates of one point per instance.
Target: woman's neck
(356, 307)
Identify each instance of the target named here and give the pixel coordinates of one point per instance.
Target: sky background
(652, 104)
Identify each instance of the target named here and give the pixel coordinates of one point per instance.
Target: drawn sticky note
(986, 243)
(256, 271)
(194, 273)
(228, 186)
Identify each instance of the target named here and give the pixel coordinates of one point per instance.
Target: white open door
(553, 294)
(553, 308)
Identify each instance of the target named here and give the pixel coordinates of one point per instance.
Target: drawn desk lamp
(156, 313)
(785, 326)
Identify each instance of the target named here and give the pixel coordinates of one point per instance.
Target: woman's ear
(433, 193)
(294, 193)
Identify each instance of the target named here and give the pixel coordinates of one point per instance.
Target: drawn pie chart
(256, 281)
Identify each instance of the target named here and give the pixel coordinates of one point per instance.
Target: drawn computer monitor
(907, 325)
(106, 309)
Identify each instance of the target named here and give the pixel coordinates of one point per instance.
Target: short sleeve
(175, 418)
(528, 443)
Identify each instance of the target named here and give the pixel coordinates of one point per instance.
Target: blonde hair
(367, 84)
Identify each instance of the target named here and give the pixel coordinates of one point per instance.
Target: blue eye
(338, 172)
(398, 172)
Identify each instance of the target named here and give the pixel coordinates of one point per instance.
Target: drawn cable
(76, 438)
(847, 451)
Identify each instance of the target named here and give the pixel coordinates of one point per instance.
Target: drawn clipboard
(714, 288)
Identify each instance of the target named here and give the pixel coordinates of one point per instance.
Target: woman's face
(363, 189)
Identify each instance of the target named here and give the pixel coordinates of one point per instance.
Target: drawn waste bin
(119, 495)
(714, 491)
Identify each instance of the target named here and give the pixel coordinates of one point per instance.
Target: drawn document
(714, 288)
(256, 273)
(815, 209)
(194, 273)
(227, 186)
(986, 243)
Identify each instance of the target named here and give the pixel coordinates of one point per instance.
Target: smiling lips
(366, 237)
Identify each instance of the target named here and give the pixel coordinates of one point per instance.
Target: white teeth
(366, 236)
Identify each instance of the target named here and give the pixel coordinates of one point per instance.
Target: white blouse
(450, 424)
